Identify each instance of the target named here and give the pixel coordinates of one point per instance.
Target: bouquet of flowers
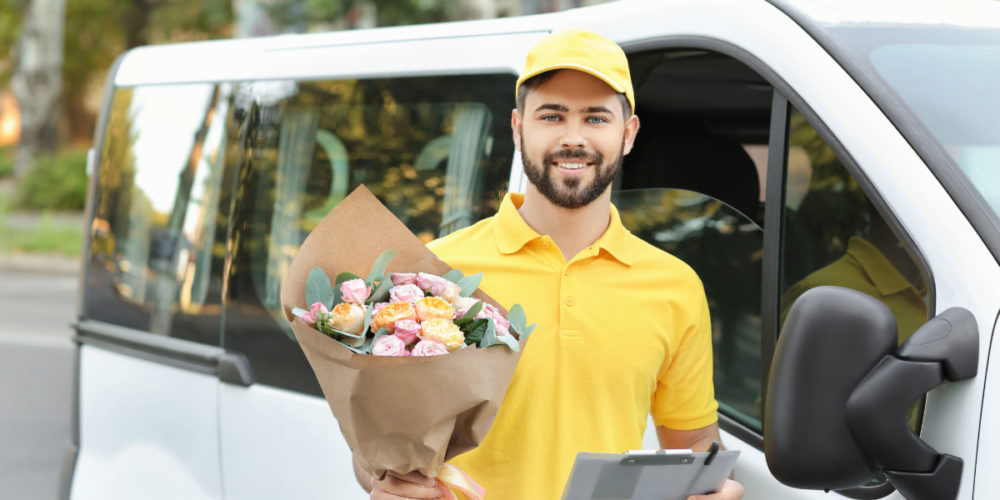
(408, 358)
(403, 314)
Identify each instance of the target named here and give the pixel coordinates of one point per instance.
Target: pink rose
(407, 330)
(318, 308)
(405, 293)
(355, 291)
(429, 348)
(403, 279)
(501, 323)
(308, 318)
(389, 345)
(438, 286)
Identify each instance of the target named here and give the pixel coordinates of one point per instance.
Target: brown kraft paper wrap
(396, 413)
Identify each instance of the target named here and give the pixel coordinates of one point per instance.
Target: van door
(436, 150)
(151, 315)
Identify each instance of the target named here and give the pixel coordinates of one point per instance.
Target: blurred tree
(37, 80)
(347, 13)
(103, 29)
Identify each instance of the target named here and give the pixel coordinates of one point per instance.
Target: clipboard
(648, 474)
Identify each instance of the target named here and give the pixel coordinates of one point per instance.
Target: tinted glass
(436, 151)
(833, 235)
(692, 187)
(158, 235)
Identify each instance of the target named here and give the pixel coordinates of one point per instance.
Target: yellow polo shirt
(623, 331)
(867, 270)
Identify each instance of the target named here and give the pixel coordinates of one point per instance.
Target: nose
(573, 137)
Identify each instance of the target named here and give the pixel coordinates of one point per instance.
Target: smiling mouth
(572, 165)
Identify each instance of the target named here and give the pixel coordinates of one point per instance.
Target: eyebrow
(564, 109)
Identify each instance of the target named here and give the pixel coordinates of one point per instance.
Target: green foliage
(58, 182)
(47, 237)
(388, 12)
(318, 288)
(6, 161)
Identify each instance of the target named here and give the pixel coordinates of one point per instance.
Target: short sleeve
(685, 394)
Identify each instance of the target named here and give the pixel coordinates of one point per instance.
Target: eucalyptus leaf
(378, 268)
(517, 318)
(318, 288)
(469, 284)
(381, 293)
(453, 276)
(460, 322)
(527, 331)
(369, 310)
(298, 311)
(346, 334)
(473, 311)
(490, 337)
(510, 342)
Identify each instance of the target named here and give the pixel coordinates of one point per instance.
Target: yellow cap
(581, 50)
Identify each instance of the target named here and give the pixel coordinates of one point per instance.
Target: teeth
(573, 166)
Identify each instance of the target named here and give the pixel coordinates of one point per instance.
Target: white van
(784, 146)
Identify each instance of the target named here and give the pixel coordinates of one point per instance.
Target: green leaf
(378, 268)
(469, 284)
(527, 332)
(475, 330)
(517, 318)
(381, 293)
(369, 310)
(490, 337)
(318, 288)
(460, 322)
(473, 311)
(510, 342)
(453, 276)
(341, 278)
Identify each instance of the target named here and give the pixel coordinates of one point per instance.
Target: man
(623, 328)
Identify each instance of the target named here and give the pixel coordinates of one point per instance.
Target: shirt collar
(512, 233)
(883, 274)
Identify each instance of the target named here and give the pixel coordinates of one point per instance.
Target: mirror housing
(839, 391)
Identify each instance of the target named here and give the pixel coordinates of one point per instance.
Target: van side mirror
(839, 391)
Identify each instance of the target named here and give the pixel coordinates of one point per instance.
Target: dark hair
(531, 83)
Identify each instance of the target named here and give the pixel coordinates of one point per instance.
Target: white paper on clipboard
(647, 475)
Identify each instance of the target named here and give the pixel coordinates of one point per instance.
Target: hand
(402, 486)
(731, 490)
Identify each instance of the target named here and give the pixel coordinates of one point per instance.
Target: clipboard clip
(712, 452)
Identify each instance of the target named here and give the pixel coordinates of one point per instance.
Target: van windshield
(944, 81)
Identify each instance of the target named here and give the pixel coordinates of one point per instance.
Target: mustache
(573, 154)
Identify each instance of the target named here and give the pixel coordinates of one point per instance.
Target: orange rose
(390, 314)
(434, 307)
(347, 317)
(443, 331)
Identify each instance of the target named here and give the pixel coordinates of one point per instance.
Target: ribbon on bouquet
(452, 479)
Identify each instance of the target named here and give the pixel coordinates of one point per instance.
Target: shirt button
(545, 244)
(569, 302)
(566, 272)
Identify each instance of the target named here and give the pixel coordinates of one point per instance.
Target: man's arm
(699, 440)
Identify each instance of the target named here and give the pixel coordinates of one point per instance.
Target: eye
(596, 120)
(549, 118)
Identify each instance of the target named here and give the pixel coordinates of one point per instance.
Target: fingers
(413, 485)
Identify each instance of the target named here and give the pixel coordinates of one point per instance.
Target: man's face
(572, 137)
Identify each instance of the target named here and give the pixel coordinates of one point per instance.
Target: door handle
(235, 368)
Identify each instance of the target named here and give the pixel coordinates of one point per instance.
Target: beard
(571, 194)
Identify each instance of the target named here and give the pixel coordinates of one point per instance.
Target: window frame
(785, 97)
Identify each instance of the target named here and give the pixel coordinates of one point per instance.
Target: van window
(157, 243)
(833, 235)
(436, 151)
(693, 187)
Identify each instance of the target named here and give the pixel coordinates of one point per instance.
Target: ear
(631, 129)
(515, 128)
